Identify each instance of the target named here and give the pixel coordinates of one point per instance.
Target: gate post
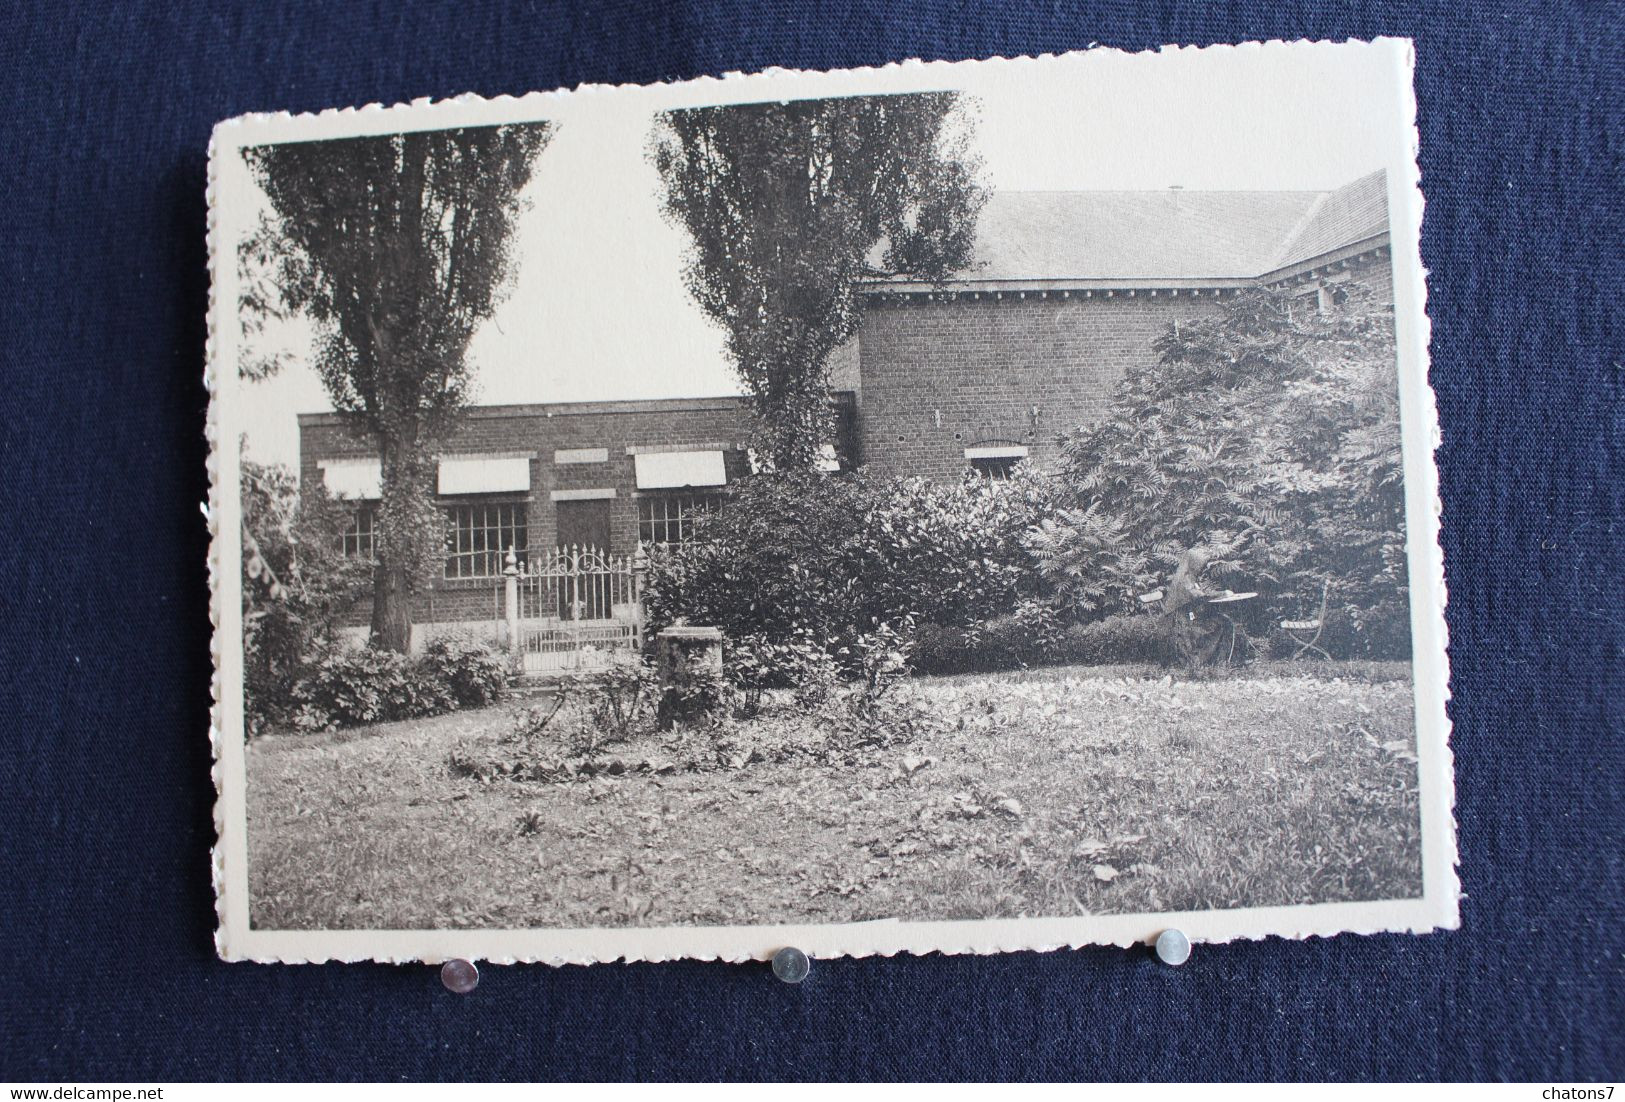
(640, 567)
(510, 596)
(689, 660)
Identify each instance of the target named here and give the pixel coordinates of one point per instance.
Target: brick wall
(545, 430)
(940, 376)
(984, 364)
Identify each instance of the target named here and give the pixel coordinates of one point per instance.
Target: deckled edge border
(210, 507)
(1426, 557)
(1426, 552)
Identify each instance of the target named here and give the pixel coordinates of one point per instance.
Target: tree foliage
(788, 206)
(1268, 436)
(397, 248)
(798, 555)
(296, 586)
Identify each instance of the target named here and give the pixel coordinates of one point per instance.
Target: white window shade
(996, 451)
(353, 479)
(477, 474)
(677, 470)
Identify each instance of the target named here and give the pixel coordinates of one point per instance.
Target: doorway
(583, 534)
(584, 524)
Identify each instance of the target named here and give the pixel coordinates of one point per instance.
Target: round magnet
(790, 965)
(460, 976)
(1173, 947)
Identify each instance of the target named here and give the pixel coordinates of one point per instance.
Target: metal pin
(790, 964)
(460, 976)
(1173, 948)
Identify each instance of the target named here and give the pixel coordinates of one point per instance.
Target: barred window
(996, 467)
(669, 518)
(357, 540)
(479, 538)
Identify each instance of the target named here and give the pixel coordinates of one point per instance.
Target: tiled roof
(1169, 235)
(1354, 212)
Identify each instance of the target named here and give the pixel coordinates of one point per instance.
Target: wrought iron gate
(570, 610)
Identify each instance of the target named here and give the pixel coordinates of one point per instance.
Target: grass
(1048, 792)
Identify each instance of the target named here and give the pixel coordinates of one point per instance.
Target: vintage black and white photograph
(949, 507)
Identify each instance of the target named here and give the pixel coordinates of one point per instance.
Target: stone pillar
(510, 598)
(689, 660)
(640, 570)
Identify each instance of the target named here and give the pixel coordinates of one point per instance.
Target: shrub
(360, 685)
(877, 709)
(817, 677)
(880, 658)
(754, 664)
(296, 586)
(1029, 636)
(942, 649)
(355, 686)
(473, 675)
(801, 554)
(695, 696)
(618, 702)
(1124, 638)
(1268, 437)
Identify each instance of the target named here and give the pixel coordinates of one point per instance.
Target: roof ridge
(1278, 257)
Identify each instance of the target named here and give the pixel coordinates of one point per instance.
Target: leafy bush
(755, 664)
(472, 674)
(619, 702)
(880, 657)
(939, 648)
(877, 708)
(1029, 636)
(357, 685)
(802, 555)
(1026, 637)
(296, 586)
(1265, 435)
(696, 696)
(1123, 638)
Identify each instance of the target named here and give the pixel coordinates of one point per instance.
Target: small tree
(397, 247)
(788, 206)
(1269, 436)
(297, 585)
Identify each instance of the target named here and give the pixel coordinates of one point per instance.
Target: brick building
(1069, 291)
(600, 474)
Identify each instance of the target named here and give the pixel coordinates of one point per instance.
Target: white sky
(598, 310)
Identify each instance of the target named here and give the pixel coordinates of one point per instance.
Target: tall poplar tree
(789, 207)
(397, 247)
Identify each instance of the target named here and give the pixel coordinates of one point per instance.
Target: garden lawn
(1050, 792)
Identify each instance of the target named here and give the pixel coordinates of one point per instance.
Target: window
(358, 541)
(480, 536)
(669, 518)
(1322, 298)
(996, 467)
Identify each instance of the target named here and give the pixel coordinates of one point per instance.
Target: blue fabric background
(104, 664)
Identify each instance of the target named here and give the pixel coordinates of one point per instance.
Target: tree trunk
(391, 607)
(400, 550)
